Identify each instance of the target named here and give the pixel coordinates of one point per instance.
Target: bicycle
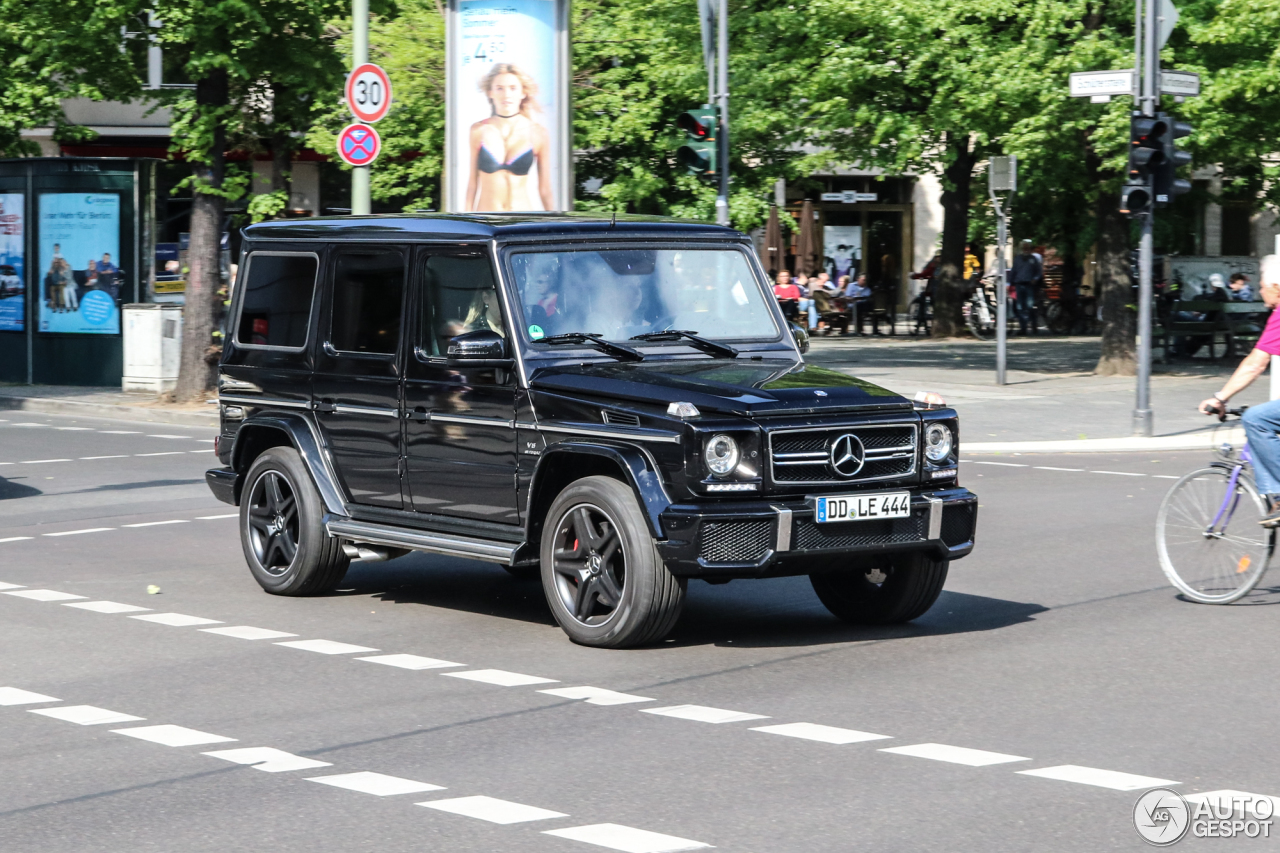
(1207, 533)
(979, 309)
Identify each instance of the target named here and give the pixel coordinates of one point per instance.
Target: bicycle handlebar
(1224, 412)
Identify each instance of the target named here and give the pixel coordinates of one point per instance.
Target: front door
(356, 385)
(460, 444)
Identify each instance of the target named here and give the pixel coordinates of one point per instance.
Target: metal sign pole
(1002, 290)
(722, 59)
(1142, 420)
(361, 205)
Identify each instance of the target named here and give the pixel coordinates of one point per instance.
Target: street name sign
(368, 93)
(850, 197)
(1183, 83)
(358, 144)
(1089, 84)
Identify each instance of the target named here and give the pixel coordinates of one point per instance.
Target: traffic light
(1146, 153)
(1166, 184)
(698, 154)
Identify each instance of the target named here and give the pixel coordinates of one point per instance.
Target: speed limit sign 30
(368, 93)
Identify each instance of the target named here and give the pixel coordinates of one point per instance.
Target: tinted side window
(367, 291)
(275, 309)
(460, 296)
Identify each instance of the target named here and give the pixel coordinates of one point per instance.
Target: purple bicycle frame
(1232, 497)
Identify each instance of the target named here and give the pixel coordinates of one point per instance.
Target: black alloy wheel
(282, 529)
(590, 564)
(273, 522)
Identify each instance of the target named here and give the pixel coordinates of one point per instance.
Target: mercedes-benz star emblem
(847, 455)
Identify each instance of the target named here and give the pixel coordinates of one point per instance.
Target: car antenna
(613, 222)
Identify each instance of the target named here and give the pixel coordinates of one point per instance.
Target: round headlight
(937, 442)
(722, 455)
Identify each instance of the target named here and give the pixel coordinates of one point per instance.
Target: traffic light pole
(722, 140)
(360, 200)
(1148, 61)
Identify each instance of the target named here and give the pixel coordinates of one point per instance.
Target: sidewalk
(1052, 403)
(108, 403)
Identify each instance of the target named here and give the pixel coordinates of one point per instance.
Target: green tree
(242, 57)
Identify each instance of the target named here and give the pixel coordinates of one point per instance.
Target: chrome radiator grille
(888, 452)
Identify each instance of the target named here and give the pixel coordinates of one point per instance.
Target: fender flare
(303, 437)
(640, 470)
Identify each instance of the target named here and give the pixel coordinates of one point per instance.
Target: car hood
(741, 387)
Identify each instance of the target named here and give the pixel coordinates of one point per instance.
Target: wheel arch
(260, 433)
(568, 461)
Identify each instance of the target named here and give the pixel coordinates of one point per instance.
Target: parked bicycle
(979, 309)
(1211, 545)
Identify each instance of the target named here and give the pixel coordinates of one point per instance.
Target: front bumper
(775, 538)
(224, 483)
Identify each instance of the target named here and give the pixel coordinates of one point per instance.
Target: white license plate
(863, 507)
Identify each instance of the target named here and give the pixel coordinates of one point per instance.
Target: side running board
(414, 540)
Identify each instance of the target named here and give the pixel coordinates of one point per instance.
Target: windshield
(620, 293)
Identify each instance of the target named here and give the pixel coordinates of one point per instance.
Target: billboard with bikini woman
(507, 110)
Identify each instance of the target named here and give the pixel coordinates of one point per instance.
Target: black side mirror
(480, 345)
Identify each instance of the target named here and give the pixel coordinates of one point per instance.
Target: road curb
(1189, 441)
(110, 411)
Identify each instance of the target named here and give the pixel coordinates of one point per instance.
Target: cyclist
(1261, 422)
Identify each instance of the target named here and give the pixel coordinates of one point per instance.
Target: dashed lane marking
(596, 695)
(169, 735)
(825, 734)
(954, 754)
(703, 714)
(1051, 468)
(10, 585)
(17, 696)
(491, 809)
(625, 838)
(410, 661)
(78, 532)
(1112, 779)
(75, 429)
(42, 461)
(326, 647)
(176, 620)
(1001, 464)
(247, 632)
(268, 759)
(377, 784)
(115, 456)
(106, 606)
(44, 595)
(120, 432)
(1120, 473)
(500, 677)
(85, 715)
(168, 436)
(163, 453)
(15, 539)
(214, 517)
(158, 523)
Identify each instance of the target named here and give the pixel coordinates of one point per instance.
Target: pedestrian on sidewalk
(1027, 271)
(1240, 289)
(1261, 422)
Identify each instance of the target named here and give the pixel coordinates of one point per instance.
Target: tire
(615, 592)
(1212, 558)
(1058, 319)
(902, 591)
(284, 542)
(973, 319)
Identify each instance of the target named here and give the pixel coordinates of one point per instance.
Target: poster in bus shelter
(505, 108)
(79, 255)
(13, 301)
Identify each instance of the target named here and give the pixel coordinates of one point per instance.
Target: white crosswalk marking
(625, 838)
(9, 585)
(44, 595)
(825, 734)
(491, 809)
(268, 759)
(378, 784)
(703, 714)
(85, 715)
(168, 735)
(106, 606)
(326, 647)
(410, 661)
(247, 632)
(1112, 779)
(954, 754)
(500, 677)
(175, 620)
(17, 696)
(596, 695)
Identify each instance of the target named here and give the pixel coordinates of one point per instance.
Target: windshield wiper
(619, 351)
(709, 347)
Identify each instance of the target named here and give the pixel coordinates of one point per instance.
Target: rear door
(356, 385)
(460, 441)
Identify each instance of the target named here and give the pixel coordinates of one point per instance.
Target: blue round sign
(96, 307)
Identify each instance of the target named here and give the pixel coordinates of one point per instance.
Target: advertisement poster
(504, 102)
(12, 290)
(842, 248)
(170, 277)
(80, 277)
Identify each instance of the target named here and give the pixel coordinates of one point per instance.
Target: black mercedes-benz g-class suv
(617, 406)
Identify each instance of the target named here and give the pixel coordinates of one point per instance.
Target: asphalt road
(1057, 649)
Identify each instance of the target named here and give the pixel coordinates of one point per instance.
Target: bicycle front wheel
(1207, 533)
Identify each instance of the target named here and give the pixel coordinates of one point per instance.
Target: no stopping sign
(368, 92)
(358, 144)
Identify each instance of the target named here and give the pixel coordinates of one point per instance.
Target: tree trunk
(281, 144)
(196, 374)
(1116, 296)
(948, 292)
